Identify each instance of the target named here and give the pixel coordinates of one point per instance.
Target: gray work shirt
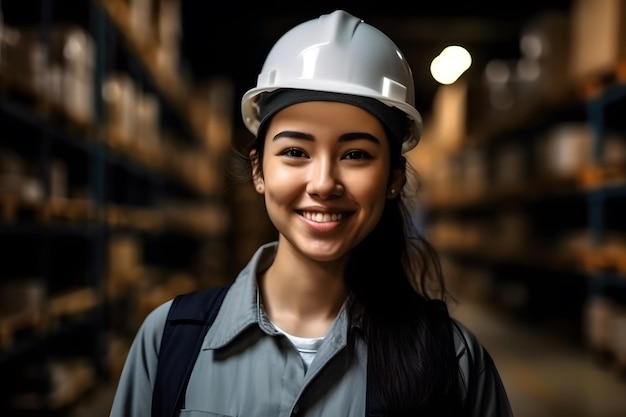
(247, 368)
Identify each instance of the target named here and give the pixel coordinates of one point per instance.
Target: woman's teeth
(322, 217)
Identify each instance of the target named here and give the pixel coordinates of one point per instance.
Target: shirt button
(296, 410)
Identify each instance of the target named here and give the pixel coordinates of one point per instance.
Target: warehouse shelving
(552, 238)
(96, 228)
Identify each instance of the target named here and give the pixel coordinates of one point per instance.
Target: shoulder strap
(188, 321)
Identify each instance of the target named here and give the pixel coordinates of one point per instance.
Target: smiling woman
(320, 322)
(325, 159)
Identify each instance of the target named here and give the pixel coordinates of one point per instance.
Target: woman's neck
(303, 296)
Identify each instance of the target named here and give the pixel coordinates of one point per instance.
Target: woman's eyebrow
(346, 137)
(293, 134)
(357, 136)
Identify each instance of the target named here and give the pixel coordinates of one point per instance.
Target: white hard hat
(337, 53)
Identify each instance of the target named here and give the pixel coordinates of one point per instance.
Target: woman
(343, 315)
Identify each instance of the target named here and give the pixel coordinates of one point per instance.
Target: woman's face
(325, 177)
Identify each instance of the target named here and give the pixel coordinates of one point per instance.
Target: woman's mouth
(322, 217)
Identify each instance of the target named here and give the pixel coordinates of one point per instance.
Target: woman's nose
(323, 181)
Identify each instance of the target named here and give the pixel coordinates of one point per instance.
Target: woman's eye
(293, 153)
(357, 155)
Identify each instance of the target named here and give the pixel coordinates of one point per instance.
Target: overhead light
(450, 64)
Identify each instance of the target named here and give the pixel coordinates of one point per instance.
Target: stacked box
(448, 124)
(509, 166)
(565, 150)
(511, 232)
(599, 313)
(598, 43)
(169, 36)
(475, 172)
(613, 150)
(124, 266)
(19, 178)
(21, 295)
(619, 341)
(120, 95)
(23, 62)
(58, 180)
(545, 46)
(147, 116)
(142, 18)
(68, 72)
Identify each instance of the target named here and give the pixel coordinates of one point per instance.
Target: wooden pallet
(71, 304)
(8, 207)
(603, 259)
(68, 382)
(12, 325)
(597, 176)
(595, 84)
(148, 219)
(116, 216)
(12, 206)
(73, 123)
(21, 92)
(74, 378)
(67, 209)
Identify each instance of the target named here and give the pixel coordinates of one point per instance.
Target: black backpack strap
(188, 321)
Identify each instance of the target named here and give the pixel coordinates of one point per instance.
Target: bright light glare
(450, 64)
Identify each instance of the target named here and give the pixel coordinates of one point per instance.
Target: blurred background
(118, 121)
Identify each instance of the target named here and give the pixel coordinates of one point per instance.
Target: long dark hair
(398, 297)
(411, 355)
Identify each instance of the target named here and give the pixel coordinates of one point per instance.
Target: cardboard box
(565, 151)
(598, 37)
(545, 46)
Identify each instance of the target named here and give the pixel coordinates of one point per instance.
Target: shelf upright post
(98, 189)
(97, 26)
(45, 265)
(596, 199)
(45, 23)
(98, 29)
(595, 115)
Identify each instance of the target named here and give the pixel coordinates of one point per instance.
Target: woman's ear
(397, 180)
(257, 177)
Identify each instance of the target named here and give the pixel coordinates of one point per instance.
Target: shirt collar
(242, 306)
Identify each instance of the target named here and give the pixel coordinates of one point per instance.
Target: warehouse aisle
(545, 377)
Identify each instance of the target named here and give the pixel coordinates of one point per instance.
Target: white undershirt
(306, 346)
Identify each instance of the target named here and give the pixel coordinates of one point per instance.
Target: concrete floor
(544, 377)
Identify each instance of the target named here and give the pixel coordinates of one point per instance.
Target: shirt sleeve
(485, 394)
(133, 396)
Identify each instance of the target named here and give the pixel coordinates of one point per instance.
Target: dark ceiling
(233, 39)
